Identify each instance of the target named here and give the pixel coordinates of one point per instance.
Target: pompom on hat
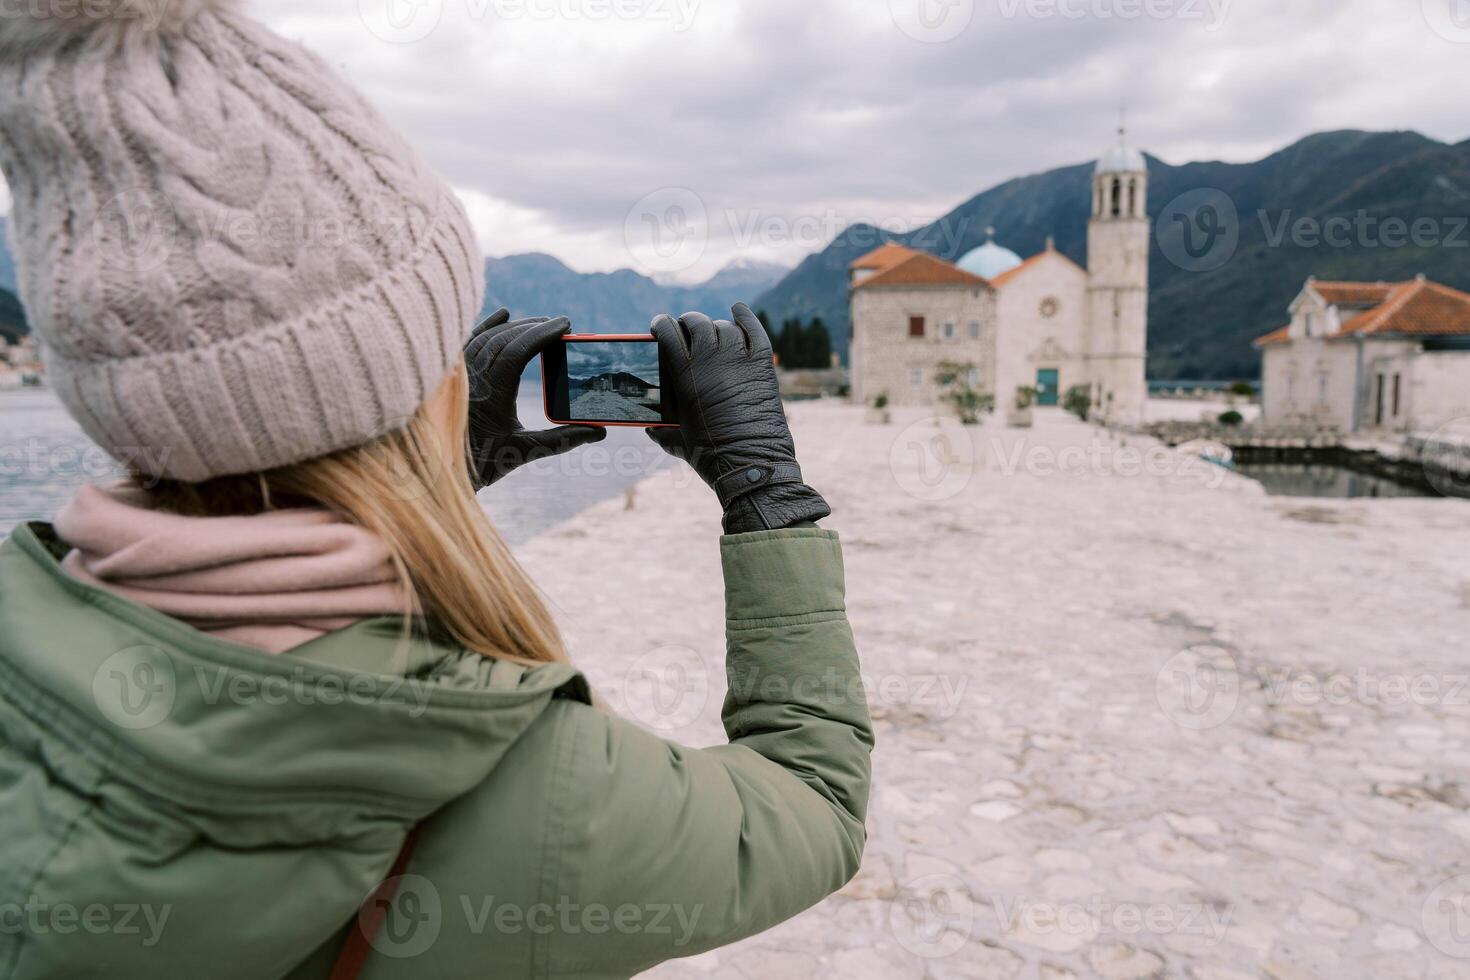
(231, 261)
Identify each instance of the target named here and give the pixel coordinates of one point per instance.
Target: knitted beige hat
(232, 263)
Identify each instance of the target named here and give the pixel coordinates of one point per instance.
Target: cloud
(787, 121)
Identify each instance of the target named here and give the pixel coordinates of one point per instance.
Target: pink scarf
(271, 581)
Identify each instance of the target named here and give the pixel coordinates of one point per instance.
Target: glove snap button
(754, 475)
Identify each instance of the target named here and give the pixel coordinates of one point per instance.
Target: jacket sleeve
(697, 848)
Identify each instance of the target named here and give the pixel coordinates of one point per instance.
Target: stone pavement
(1134, 718)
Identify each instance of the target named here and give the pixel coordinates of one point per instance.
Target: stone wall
(885, 359)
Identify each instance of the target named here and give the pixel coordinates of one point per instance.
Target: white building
(1362, 356)
(1044, 322)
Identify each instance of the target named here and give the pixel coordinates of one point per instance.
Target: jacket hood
(351, 737)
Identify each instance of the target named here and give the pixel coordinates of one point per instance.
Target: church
(1044, 323)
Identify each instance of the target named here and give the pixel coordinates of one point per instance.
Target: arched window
(1117, 197)
(1133, 198)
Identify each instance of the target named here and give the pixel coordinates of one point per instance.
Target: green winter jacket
(175, 805)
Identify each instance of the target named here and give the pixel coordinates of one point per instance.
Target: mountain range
(1201, 323)
(615, 302)
(12, 316)
(618, 379)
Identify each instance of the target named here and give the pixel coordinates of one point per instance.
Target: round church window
(1049, 307)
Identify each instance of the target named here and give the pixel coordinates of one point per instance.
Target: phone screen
(606, 381)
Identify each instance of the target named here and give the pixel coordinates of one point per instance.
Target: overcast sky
(760, 128)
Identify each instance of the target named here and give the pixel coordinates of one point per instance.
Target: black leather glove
(732, 427)
(496, 356)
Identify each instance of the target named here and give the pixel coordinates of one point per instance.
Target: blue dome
(1122, 158)
(989, 260)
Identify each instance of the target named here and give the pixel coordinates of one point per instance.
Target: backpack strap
(369, 920)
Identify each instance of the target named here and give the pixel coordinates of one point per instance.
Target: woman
(292, 664)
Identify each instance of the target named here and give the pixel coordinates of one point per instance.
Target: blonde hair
(414, 493)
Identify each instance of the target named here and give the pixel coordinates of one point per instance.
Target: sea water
(45, 457)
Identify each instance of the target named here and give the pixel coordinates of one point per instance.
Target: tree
(765, 319)
(820, 345)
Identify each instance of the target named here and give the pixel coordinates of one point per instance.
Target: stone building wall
(885, 358)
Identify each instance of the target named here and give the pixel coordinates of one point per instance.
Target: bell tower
(1117, 292)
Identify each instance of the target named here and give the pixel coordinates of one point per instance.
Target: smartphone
(606, 379)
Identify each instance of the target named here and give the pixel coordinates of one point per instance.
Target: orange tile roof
(1352, 293)
(885, 256)
(1278, 336)
(922, 269)
(1418, 308)
(1007, 276)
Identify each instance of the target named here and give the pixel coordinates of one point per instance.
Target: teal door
(1048, 387)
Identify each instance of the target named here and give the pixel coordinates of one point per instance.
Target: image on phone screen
(607, 381)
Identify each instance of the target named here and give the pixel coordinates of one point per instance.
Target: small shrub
(1243, 389)
(953, 379)
(1231, 418)
(1025, 397)
(880, 400)
(1078, 401)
